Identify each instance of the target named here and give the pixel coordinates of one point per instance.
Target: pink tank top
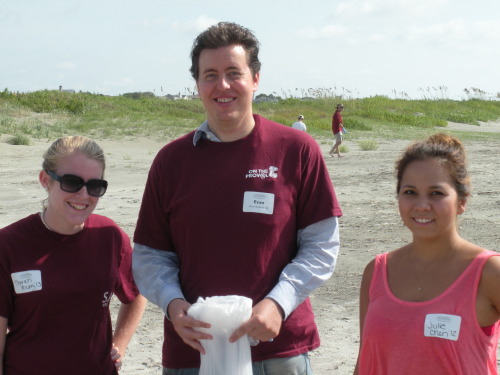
(440, 336)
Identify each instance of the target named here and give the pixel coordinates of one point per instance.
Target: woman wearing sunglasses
(59, 269)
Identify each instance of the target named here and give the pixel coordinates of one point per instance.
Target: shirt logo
(271, 172)
(106, 298)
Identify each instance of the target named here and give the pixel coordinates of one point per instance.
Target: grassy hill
(51, 114)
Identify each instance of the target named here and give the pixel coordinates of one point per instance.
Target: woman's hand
(116, 357)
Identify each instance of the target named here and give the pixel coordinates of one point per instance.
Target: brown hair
(449, 151)
(225, 34)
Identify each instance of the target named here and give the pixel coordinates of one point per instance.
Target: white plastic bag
(225, 314)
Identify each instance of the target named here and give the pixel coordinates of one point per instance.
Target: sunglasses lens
(97, 188)
(71, 184)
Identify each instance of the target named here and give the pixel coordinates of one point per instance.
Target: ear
(462, 203)
(44, 179)
(256, 80)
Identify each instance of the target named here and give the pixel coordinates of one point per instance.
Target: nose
(422, 204)
(83, 192)
(223, 82)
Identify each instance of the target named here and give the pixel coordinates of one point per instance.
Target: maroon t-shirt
(336, 121)
(55, 292)
(231, 212)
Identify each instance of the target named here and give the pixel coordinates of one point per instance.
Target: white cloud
(389, 8)
(198, 25)
(377, 38)
(452, 32)
(327, 32)
(66, 65)
(487, 30)
(148, 22)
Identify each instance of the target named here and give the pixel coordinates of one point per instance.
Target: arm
(128, 318)
(156, 273)
(3, 336)
(319, 245)
(488, 296)
(364, 301)
(313, 265)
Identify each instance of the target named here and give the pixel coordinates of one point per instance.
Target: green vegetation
(368, 144)
(19, 140)
(343, 149)
(50, 114)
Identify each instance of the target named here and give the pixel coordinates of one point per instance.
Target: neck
(229, 131)
(432, 250)
(52, 226)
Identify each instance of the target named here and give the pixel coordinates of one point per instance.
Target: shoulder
(16, 226)
(489, 286)
(367, 277)
(172, 150)
(491, 269)
(283, 132)
(379, 258)
(100, 221)
(368, 271)
(177, 144)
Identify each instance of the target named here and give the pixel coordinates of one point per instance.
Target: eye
(437, 193)
(234, 74)
(408, 192)
(210, 77)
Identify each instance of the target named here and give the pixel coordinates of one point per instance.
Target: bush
(368, 145)
(19, 139)
(343, 149)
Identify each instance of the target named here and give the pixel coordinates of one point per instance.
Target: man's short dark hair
(225, 34)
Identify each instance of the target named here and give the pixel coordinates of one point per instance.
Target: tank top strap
(378, 282)
(477, 266)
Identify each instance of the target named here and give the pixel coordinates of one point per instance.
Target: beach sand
(365, 186)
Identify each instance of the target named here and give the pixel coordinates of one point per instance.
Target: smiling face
(226, 86)
(66, 212)
(428, 201)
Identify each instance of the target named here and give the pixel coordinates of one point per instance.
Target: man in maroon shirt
(240, 206)
(338, 130)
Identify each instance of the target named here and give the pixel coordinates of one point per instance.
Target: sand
(364, 183)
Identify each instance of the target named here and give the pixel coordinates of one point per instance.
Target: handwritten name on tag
(443, 326)
(27, 281)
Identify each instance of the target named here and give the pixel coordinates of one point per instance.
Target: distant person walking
(338, 130)
(299, 124)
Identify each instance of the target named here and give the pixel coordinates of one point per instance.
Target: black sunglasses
(71, 184)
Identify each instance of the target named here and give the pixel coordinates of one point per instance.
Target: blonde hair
(65, 146)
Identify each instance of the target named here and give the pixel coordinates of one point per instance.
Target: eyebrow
(430, 187)
(232, 67)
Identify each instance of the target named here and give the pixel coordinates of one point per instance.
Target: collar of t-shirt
(204, 131)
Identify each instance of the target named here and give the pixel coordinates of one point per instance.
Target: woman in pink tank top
(432, 306)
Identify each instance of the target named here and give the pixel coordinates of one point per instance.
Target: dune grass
(368, 144)
(51, 114)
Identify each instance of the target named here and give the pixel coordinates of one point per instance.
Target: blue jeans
(298, 365)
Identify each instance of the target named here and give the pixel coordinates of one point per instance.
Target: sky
(355, 48)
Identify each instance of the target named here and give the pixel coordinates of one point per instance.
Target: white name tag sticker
(261, 203)
(27, 281)
(442, 326)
